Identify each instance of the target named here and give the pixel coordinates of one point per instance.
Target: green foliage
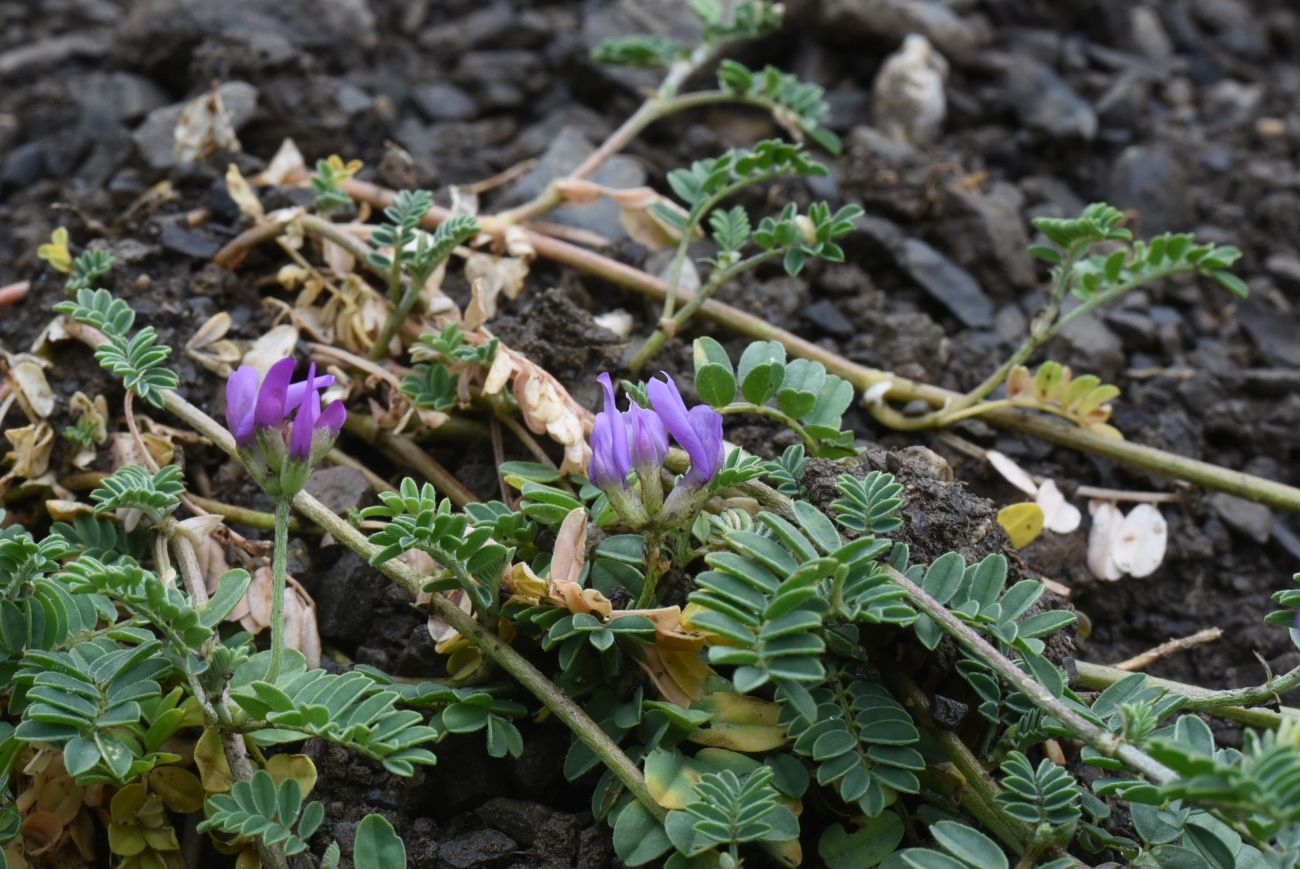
(327, 184)
(430, 386)
(731, 228)
(1047, 795)
(963, 846)
(415, 518)
(349, 709)
(862, 742)
(713, 178)
(138, 359)
(417, 254)
(132, 488)
(82, 432)
(450, 346)
(1289, 598)
(805, 237)
(89, 700)
(101, 539)
(377, 845)
(801, 393)
(260, 809)
(786, 470)
(799, 105)
(87, 269)
(868, 506)
(747, 19)
(575, 633)
(730, 810)
(1133, 263)
(641, 49)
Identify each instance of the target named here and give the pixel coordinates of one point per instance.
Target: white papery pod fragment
(1106, 522)
(1059, 515)
(1139, 547)
(1013, 473)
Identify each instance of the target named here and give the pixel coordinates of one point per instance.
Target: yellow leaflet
(1022, 522)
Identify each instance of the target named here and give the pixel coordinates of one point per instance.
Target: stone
(1044, 102)
(947, 283)
(176, 236)
(23, 166)
(346, 592)
(1150, 180)
(1273, 331)
(850, 21)
(947, 712)
(117, 97)
(441, 101)
(339, 487)
(825, 316)
(569, 148)
(474, 849)
(1252, 519)
(994, 240)
(156, 135)
(544, 830)
(1093, 348)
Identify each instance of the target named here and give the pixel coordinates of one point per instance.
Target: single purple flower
(698, 430)
(646, 439)
(304, 422)
(241, 398)
(332, 418)
(610, 458)
(269, 412)
(296, 392)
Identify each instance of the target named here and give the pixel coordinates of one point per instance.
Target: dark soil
(1184, 111)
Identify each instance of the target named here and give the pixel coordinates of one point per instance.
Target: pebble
(1150, 179)
(948, 283)
(824, 315)
(474, 849)
(174, 235)
(908, 101)
(442, 101)
(23, 166)
(1044, 102)
(1246, 517)
(959, 37)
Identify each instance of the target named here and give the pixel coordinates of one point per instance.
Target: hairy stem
(278, 560)
(1101, 740)
(1236, 704)
(559, 703)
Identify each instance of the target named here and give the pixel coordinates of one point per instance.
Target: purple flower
(279, 425)
(610, 458)
(646, 439)
(698, 430)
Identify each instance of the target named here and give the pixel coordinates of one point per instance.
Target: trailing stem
(278, 560)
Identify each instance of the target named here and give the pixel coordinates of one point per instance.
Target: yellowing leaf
(210, 758)
(740, 723)
(298, 767)
(1022, 522)
(180, 790)
(680, 676)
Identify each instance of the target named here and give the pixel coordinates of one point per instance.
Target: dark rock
(441, 101)
(948, 283)
(828, 318)
(992, 233)
(1235, 25)
(352, 100)
(474, 849)
(23, 166)
(340, 488)
(545, 831)
(1246, 517)
(602, 21)
(850, 21)
(154, 31)
(1273, 332)
(1285, 268)
(946, 712)
(176, 236)
(1273, 381)
(569, 148)
(1044, 102)
(1151, 180)
(156, 135)
(117, 97)
(346, 594)
(1093, 347)
(595, 850)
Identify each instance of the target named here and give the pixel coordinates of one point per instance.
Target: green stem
(653, 571)
(278, 559)
(772, 413)
(670, 327)
(1235, 704)
(397, 314)
(242, 515)
(560, 704)
(407, 453)
(1100, 739)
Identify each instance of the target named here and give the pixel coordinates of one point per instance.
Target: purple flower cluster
(637, 439)
(279, 425)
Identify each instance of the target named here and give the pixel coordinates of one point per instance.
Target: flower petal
(241, 398)
(332, 417)
(270, 410)
(297, 391)
(610, 460)
(304, 425)
(647, 439)
(707, 424)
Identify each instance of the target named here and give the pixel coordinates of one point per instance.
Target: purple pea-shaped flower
(279, 425)
(698, 430)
